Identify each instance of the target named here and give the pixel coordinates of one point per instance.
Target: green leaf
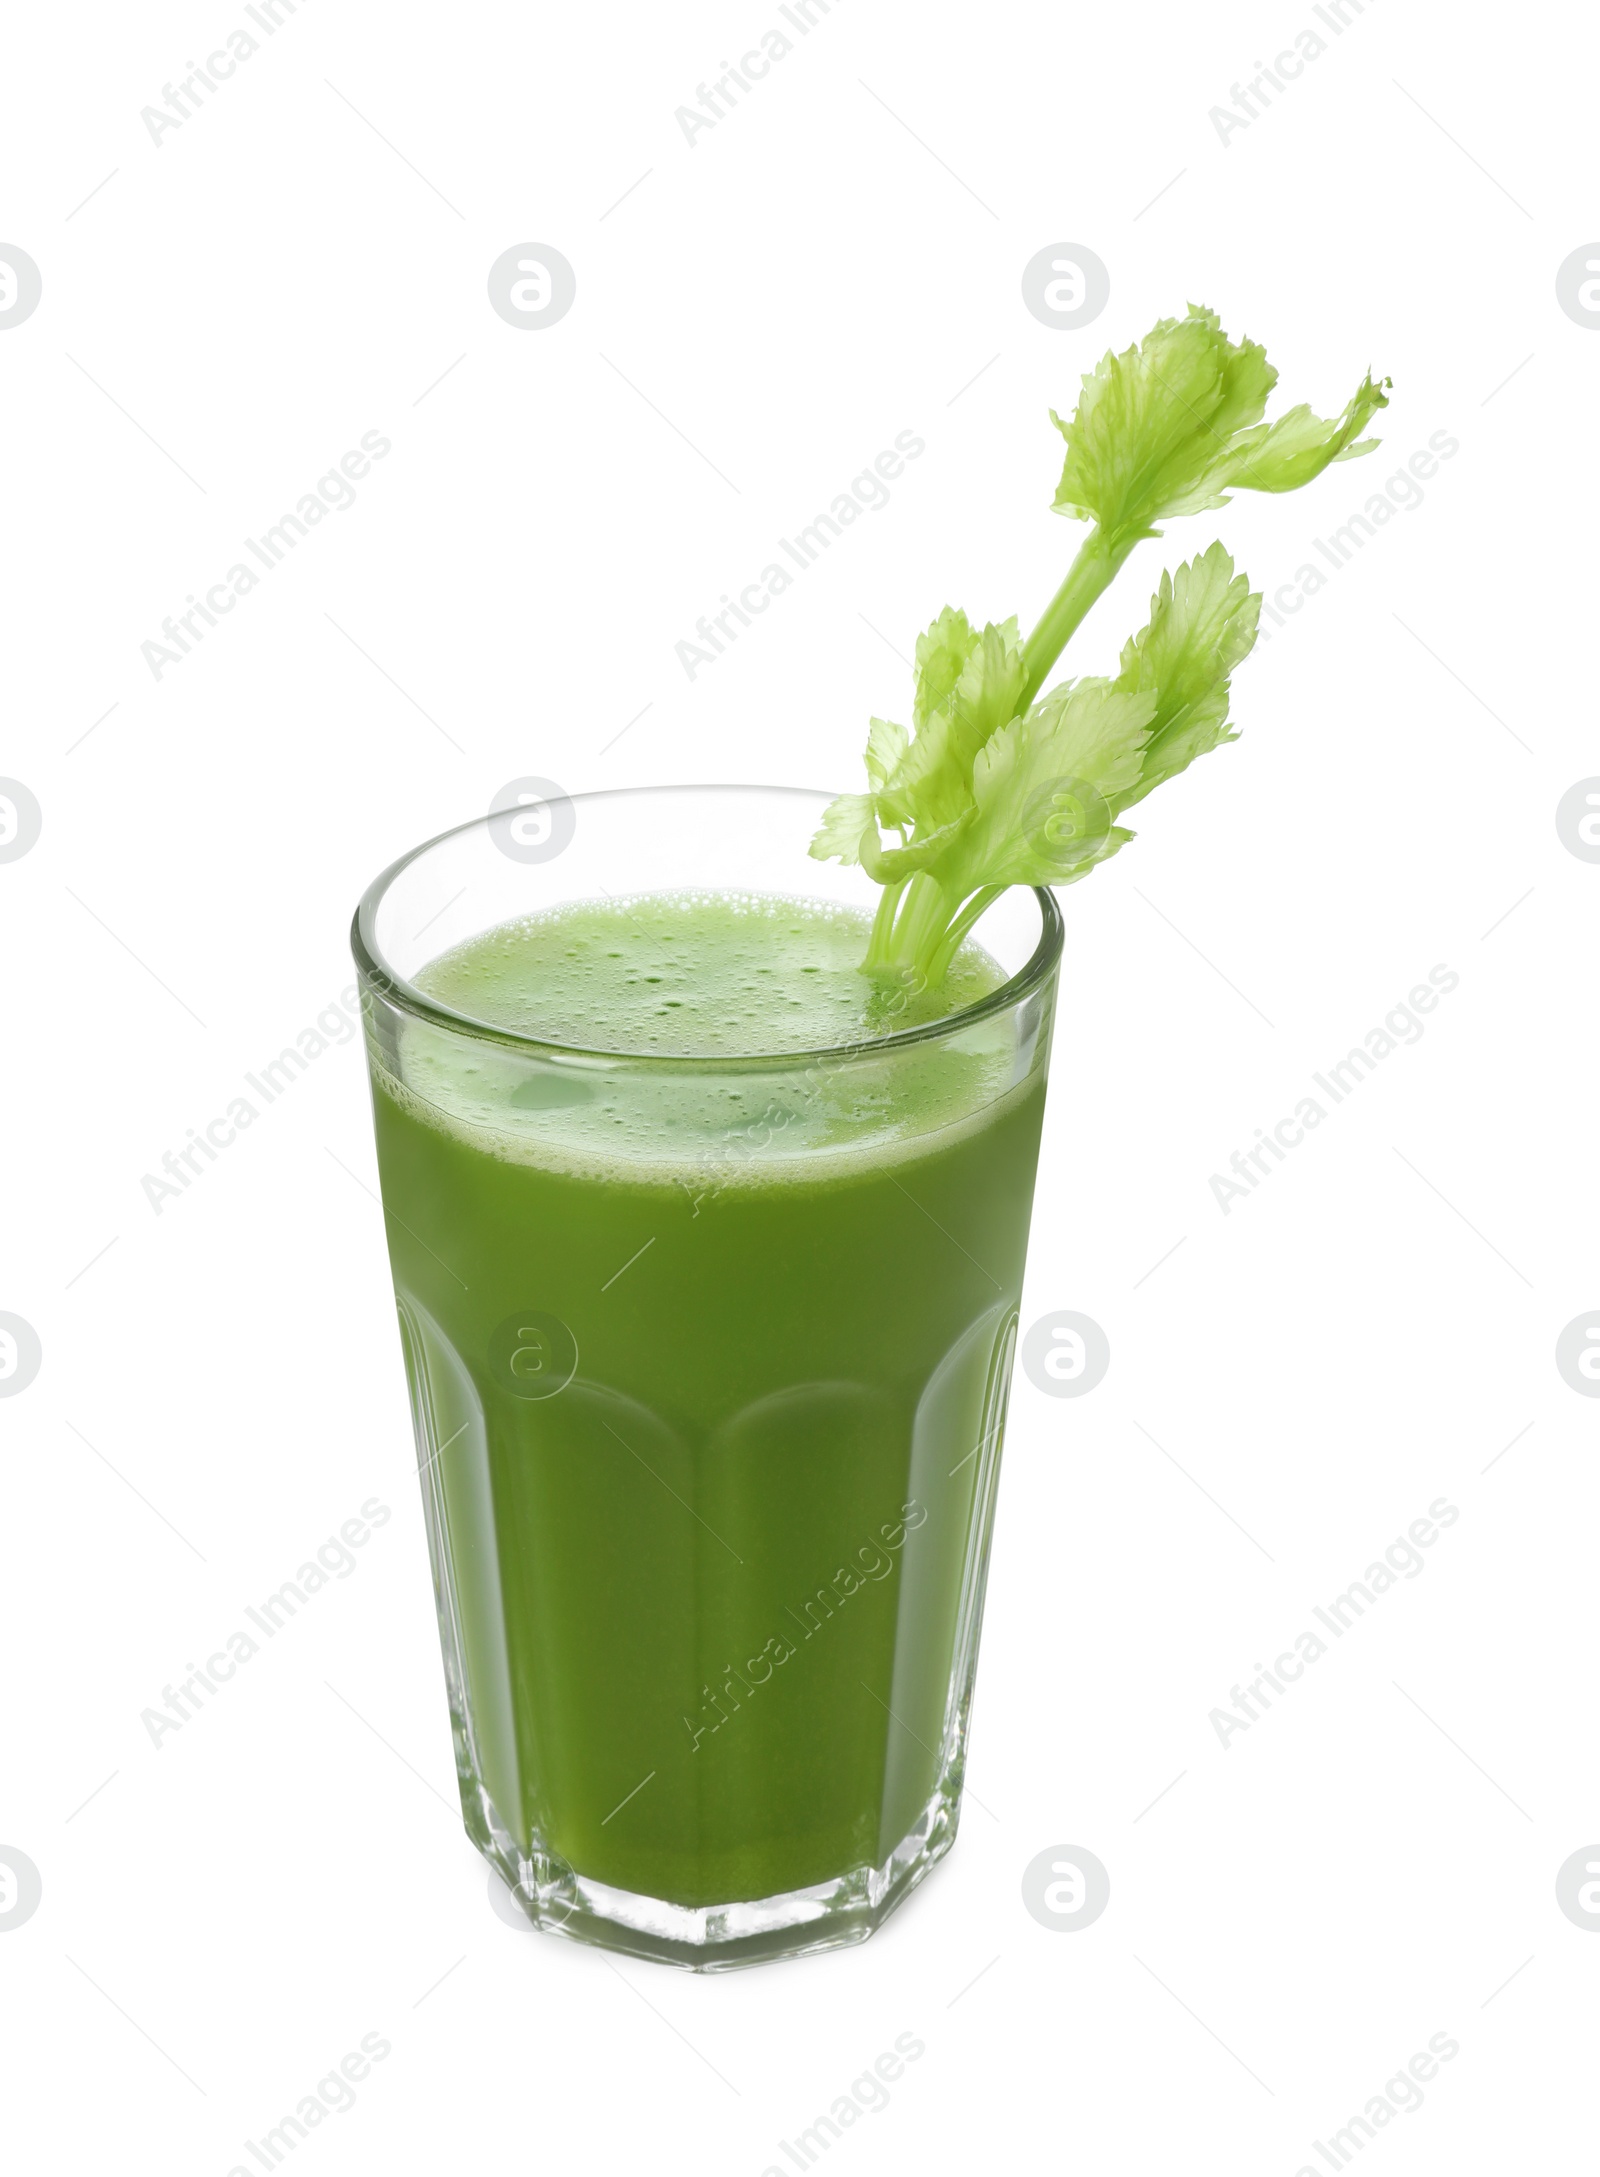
(1046, 786)
(1172, 425)
(890, 865)
(969, 681)
(942, 654)
(1202, 622)
(932, 783)
(846, 821)
(1284, 455)
(1150, 420)
(989, 688)
(886, 747)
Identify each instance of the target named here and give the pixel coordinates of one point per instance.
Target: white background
(1371, 1863)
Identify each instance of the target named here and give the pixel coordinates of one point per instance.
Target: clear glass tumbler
(709, 1429)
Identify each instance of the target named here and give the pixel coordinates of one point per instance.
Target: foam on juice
(643, 996)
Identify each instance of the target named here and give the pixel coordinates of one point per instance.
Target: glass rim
(375, 970)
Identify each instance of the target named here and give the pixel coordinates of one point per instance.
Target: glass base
(717, 1938)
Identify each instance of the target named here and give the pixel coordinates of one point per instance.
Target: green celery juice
(710, 1361)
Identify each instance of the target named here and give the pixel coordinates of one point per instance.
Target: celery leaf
(1173, 425)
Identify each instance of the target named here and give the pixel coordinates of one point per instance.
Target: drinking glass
(708, 1422)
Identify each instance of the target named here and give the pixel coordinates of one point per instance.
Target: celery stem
(955, 936)
(879, 945)
(1095, 568)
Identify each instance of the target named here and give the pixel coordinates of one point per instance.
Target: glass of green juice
(707, 1252)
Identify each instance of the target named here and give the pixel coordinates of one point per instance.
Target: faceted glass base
(716, 1938)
